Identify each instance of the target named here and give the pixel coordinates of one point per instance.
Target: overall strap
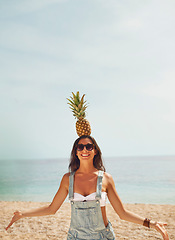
(71, 185)
(99, 184)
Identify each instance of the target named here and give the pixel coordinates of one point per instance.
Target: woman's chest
(85, 185)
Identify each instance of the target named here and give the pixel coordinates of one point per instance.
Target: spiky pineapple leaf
(78, 96)
(72, 105)
(75, 99)
(82, 99)
(73, 95)
(70, 101)
(77, 105)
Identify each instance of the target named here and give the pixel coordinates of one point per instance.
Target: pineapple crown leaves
(77, 105)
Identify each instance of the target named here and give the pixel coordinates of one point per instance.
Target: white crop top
(90, 197)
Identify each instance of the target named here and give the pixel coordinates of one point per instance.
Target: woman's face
(85, 154)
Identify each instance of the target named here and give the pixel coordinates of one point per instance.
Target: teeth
(85, 155)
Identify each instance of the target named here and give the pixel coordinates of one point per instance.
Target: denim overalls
(86, 217)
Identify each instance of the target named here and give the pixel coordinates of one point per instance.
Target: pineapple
(78, 107)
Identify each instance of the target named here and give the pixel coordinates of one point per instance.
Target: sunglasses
(88, 146)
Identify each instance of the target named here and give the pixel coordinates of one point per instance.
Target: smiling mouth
(85, 155)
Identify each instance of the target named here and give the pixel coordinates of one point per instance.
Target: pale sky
(119, 53)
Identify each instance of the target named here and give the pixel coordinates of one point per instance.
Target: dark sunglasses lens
(89, 147)
(80, 147)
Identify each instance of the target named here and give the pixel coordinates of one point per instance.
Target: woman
(88, 185)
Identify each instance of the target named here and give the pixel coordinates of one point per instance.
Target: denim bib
(86, 217)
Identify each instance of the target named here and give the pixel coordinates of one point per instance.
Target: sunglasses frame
(91, 145)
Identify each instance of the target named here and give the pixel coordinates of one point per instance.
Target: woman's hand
(47, 210)
(160, 227)
(16, 217)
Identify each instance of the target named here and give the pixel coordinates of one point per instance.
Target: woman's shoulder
(66, 176)
(107, 175)
(65, 179)
(108, 178)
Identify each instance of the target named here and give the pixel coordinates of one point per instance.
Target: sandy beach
(56, 226)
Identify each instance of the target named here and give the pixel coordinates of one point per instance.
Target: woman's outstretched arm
(47, 210)
(127, 215)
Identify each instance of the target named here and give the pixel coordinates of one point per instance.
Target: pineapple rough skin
(83, 127)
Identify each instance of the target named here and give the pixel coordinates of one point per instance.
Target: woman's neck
(86, 168)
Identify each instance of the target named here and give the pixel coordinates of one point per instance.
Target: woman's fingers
(16, 217)
(160, 227)
(10, 224)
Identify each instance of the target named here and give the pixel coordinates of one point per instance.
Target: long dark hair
(75, 162)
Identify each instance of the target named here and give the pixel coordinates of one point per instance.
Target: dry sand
(56, 226)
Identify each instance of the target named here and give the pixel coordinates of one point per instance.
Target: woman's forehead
(85, 141)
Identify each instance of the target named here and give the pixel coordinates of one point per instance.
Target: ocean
(137, 179)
